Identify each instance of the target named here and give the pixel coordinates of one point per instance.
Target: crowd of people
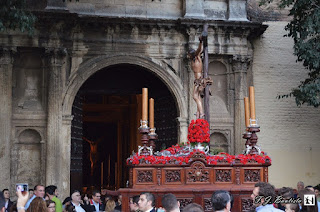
(264, 197)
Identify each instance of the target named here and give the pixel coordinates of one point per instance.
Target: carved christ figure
(200, 82)
(93, 152)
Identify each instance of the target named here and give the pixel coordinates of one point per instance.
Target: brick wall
(289, 134)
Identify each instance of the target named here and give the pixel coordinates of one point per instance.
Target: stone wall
(289, 134)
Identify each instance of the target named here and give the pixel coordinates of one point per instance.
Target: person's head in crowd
(76, 197)
(2, 202)
(37, 205)
(193, 207)
(67, 199)
(96, 196)
(263, 190)
(146, 201)
(317, 191)
(308, 208)
(110, 205)
(310, 187)
(292, 207)
(52, 191)
(133, 203)
(39, 191)
(107, 197)
(31, 192)
(51, 206)
(169, 203)
(221, 200)
(46, 197)
(286, 192)
(6, 194)
(70, 208)
(300, 186)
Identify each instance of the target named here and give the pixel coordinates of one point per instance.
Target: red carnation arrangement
(198, 131)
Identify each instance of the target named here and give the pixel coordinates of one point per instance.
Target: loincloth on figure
(201, 84)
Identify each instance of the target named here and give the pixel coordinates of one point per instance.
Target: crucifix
(200, 70)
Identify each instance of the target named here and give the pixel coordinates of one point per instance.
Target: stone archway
(90, 67)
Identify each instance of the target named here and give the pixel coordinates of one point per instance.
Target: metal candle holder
(152, 137)
(144, 131)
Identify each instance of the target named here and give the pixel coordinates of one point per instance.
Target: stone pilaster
(183, 130)
(6, 64)
(55, 169)
(239, 68)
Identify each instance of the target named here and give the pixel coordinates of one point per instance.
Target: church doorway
(106, 115)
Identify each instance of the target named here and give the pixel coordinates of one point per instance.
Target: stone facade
(41, 75)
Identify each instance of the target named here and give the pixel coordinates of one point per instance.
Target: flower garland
(210, 159)
(198, 131)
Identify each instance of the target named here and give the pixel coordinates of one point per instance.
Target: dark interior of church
(107, 113)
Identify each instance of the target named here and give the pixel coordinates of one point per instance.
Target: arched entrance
(106, 114)
(84, 72)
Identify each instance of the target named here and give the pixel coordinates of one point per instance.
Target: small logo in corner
(309, 200)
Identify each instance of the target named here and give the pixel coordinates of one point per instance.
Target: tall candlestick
(144, 104)
(252, 103)
(246, 111)
(151, 112)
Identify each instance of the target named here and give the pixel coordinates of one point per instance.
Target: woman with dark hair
(6, 195)
(37, 205)
(308, 208)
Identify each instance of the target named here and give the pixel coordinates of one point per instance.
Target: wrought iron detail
(207, 205)
(246, 204)
(198, 173)
(252, 175)
(223, 175)
(173, 176)
(145, 176)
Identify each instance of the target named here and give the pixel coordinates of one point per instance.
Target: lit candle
(151, 112)
(246, 111)
(144, 104)
(252, 103)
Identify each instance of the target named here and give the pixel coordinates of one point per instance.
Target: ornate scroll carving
(198, 173)
(223, 175)
(237, 173)
(246, 204)
(184, 202)
(173, 176)
(159, 176)
(144, 176)
(252, 175)
(207, 204)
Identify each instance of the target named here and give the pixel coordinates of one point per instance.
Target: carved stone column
(56, 165)
(183, 129)
(6, 64)
(239, 67)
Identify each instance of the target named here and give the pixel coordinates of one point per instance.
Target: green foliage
(304, 28)
(13, 15)
(215, 151)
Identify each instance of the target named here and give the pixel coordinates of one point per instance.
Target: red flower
(199, 131)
